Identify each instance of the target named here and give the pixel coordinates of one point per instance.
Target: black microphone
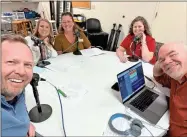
(40, 112)
(137, 38)
(77, 34)
(37, 41)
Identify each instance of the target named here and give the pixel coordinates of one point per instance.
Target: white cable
(156, 126)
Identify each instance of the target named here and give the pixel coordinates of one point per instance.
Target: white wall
(112, 12)
(174, 13)
(170, 25)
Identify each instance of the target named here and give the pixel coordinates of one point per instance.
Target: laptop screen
(131, 81)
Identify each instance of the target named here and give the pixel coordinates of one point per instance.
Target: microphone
(37, 41)
(79, 40)
(40, 112)
(137, 38)
(77, 34)
(40, 43)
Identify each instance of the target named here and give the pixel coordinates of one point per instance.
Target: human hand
(143, 38)
(46, 40)
(31, 132)
(123, 58)
(157, 70)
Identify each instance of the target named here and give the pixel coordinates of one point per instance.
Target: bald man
(171, 71)
(16, 74)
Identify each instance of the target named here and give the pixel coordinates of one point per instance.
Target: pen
(62, 93)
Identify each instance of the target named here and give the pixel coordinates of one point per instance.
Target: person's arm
(31, 132)
(122, 48)
(120, 53)
(34, 48)
(58, 44)
(86, 42)
(148, 49)
(160, 76)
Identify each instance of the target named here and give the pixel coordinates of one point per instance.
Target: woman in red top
(145, 47)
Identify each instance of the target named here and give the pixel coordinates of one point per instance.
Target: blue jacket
(14, 117)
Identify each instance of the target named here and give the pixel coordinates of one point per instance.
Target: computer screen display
(131, 81)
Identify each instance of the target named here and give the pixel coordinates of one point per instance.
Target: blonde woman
(44, 32)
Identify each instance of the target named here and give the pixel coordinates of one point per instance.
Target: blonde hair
(36, 33)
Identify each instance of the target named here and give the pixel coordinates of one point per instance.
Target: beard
(177, 74)
(10, 94)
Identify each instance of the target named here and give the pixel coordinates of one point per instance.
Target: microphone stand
(133, 58)
(77, 51)
(41, 63)
(41, 112)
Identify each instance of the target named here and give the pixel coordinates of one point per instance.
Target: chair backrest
(158, 45)
(93, 25)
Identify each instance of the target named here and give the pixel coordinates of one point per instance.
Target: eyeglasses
(66, 22)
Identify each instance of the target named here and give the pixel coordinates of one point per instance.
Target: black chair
(95, 33)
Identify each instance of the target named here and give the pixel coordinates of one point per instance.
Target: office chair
(95, 33)
(158, 45)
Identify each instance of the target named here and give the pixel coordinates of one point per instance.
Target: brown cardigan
(61, 43)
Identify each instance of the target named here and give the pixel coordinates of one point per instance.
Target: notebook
(146, 102)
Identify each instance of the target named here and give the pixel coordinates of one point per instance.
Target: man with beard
(16, 74)
(171, 71)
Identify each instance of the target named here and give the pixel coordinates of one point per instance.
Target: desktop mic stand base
(37, 117)
(77, 52)
(133, 58)
(43, 63)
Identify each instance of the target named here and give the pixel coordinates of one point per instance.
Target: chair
(95, 33)
(158, 45)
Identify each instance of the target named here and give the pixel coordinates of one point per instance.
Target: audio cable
(151, 81)
(42, 79)
(155, 126)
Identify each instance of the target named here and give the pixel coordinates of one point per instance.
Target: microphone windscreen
(80, 40)
(77, 33)
(137, 38)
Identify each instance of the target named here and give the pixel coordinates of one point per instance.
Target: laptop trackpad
(159, 106)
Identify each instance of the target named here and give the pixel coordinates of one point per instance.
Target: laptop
(146, 102)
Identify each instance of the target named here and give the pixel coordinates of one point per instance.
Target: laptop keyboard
(143, 101)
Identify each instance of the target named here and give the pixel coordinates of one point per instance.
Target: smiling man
(171, 71)
(16, 74)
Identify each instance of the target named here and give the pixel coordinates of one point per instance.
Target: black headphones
(135, 127)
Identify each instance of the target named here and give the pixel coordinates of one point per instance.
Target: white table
(89, 115)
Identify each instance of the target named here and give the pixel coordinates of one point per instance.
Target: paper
(91, 52)
(38, 70)
(75, 92)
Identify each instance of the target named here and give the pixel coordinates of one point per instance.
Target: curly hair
(61, 30)
(145, 23)
(36, 33)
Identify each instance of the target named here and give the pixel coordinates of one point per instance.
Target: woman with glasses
(66, 41)
(139, 41)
